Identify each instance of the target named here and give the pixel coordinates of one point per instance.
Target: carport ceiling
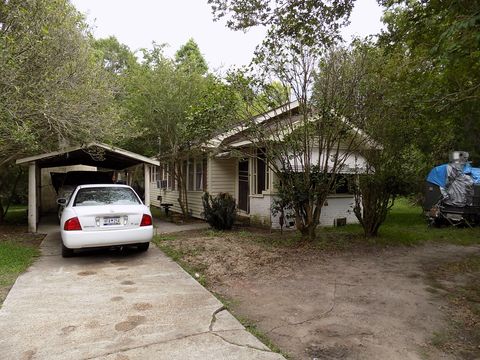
(99, 155)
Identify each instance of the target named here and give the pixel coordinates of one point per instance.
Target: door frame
(237, 186)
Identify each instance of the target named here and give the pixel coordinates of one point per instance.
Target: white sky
(137, 23)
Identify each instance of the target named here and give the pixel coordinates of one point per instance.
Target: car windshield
(105, 196)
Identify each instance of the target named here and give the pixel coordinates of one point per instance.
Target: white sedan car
(104, 215)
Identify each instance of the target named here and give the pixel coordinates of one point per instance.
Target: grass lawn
(18, 248)
(406, 225)
(16, 215)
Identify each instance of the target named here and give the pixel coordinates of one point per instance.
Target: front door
(243, 191)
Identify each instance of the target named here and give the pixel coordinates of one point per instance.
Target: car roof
(104, 186)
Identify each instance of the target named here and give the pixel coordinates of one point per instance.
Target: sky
(137, 23)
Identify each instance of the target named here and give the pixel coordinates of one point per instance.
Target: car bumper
(87, 239)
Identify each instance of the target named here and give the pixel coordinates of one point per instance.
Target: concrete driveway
(117, 305)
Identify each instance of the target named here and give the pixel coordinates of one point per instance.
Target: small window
(153, 174)
(170, 178)
(199, 175)
(191, 175)
(343, 184)
(260, 173)
(204, 174)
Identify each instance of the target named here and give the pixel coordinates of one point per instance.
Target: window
(199, 175)
(194, 172)
(95, 196)
(260, 173)
(343, 184)
(204, 165)
(162, 177)
(153, 174)
(191, 175)
(170, 182)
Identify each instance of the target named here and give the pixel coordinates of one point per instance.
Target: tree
(190, 59)
(422, 93)
(309, 145)
(53, 91)
(117, 58)
(389, 117)
(310, 22)
(172, 110)
(440, 40)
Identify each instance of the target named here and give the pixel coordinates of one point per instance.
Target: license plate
(111, 221)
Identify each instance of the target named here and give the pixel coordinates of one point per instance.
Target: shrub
(219, 211)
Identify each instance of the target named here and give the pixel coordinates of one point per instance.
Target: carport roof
(94, 154)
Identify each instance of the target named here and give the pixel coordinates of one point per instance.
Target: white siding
(260, 209)
(155, 192)
(336, 206)
(339, 206)
(221, 176)
(171, 197)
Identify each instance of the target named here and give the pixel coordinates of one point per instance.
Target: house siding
(168, 196)
(221, 176)
(260, 209)
(336, 206)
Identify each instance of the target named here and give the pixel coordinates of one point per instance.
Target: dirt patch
(130, 290)
(131, 323)
(360, 303)
(459, 282)
(127, 282)
(68, 329)
(19, 235)
(86, 273)
(142, 306)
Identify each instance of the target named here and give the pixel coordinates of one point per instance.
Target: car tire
(143, 246)
(66, 252)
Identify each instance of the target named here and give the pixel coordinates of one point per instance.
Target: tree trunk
(2, 213)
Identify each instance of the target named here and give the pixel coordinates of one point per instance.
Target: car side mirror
(62, 201)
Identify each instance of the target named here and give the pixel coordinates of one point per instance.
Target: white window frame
(191, 177)
(198, 162)
(153, 174)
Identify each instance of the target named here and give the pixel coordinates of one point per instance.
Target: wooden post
(146, 168)
(32, 197)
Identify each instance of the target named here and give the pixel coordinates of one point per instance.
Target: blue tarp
(438, 175)
(473, 172)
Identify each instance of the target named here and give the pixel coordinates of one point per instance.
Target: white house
(248, 179)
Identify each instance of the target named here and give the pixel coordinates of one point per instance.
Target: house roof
(259, 119)
(234, 139)
(93, 154)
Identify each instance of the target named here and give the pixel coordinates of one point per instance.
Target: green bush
(219, 211)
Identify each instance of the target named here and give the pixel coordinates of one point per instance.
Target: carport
(94, 154)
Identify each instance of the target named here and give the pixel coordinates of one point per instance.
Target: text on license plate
(111, 221)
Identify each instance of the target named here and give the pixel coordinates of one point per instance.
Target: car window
(105, 196)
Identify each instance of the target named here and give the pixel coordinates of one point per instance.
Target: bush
(219, 211)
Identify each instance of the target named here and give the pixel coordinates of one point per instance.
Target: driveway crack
(175, 339)
(240, 345)
(214, 317)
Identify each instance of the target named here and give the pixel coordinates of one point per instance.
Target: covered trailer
(452, 192)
